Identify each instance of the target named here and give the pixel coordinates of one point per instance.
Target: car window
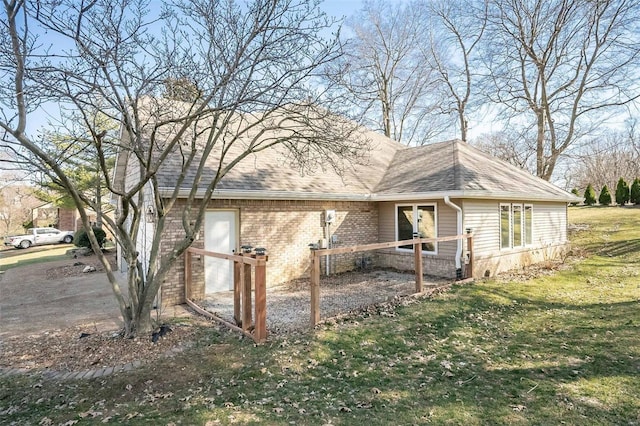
(41, 231)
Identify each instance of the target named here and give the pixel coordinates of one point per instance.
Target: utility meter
(329, 216)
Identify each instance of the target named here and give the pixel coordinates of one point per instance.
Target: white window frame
(515, 206)
(415, 222)
(523, 233)
(524, 221)
(510, 221)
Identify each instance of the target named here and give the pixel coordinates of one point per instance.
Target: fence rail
(316, 254)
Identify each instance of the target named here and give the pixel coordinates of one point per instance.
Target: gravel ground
(288, 305)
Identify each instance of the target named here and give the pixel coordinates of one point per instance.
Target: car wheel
(25, 244)
(67, 239)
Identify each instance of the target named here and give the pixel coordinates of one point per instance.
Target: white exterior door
(220, 231)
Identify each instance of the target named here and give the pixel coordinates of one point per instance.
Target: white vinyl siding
(483, 218)
(542, 224)
(549, 224)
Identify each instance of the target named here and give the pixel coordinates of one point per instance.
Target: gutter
(240, 194)
(458, 210)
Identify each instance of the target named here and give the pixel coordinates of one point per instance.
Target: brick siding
(285, 229)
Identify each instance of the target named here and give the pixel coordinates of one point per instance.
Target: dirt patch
(80, 348)
(76, 267)
(54, 316)
(289, 305)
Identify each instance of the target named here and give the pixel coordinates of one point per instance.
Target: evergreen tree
(81, 162)
(622, 192)
(634, 195)
(575, 192)
(589, 195)
(605, 196)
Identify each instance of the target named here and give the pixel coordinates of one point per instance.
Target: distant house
(442, 189)
(63, 218)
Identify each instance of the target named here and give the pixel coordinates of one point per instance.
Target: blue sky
(341, 8)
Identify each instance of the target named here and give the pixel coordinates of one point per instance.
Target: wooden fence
(316, 254)
(255, 328)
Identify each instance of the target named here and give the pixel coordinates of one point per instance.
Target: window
(528, 224)
(505, 226)
(516, 225)
(416, 218)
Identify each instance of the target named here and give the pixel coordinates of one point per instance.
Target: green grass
(558, 349)
(15, 257)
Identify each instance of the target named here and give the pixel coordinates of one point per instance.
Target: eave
(228, 194)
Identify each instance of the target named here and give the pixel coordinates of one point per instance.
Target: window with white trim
(420, 218)
(528, 224)
(516, 225)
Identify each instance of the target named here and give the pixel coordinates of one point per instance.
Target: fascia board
(290, 195)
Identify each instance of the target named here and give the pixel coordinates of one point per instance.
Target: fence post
(417, 255)
(187, 274)
(261, 299)
(237, 291)
(315, 289)
(246, 294)
(470, 249)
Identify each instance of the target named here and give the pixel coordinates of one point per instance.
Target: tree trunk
(540, 163)
(99, 205)
(463, 126)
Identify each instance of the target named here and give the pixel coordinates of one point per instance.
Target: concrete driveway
(32, 302)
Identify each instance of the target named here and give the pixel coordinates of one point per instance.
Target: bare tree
(457, 29)
(16, 205)
(607, 159)
(247, 81)
(562, 66)
(386, 73)
(513, 147)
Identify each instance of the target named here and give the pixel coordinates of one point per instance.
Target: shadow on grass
(472, 359)
(615, 248)
(9, 264)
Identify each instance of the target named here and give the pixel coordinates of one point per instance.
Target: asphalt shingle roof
(456, 166)
(390, 171)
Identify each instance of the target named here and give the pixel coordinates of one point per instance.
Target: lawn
(562, 348)
(12, 257)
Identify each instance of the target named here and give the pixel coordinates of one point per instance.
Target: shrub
(622, 192)
(605, 196)
(81, 239)
(575, 192)
(589, 195)
(634, 195)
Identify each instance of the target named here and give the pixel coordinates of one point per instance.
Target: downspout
(458, 210)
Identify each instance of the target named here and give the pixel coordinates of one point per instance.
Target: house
(437, 190)
(64, 218)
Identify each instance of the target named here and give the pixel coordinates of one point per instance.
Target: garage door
(220, 235)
